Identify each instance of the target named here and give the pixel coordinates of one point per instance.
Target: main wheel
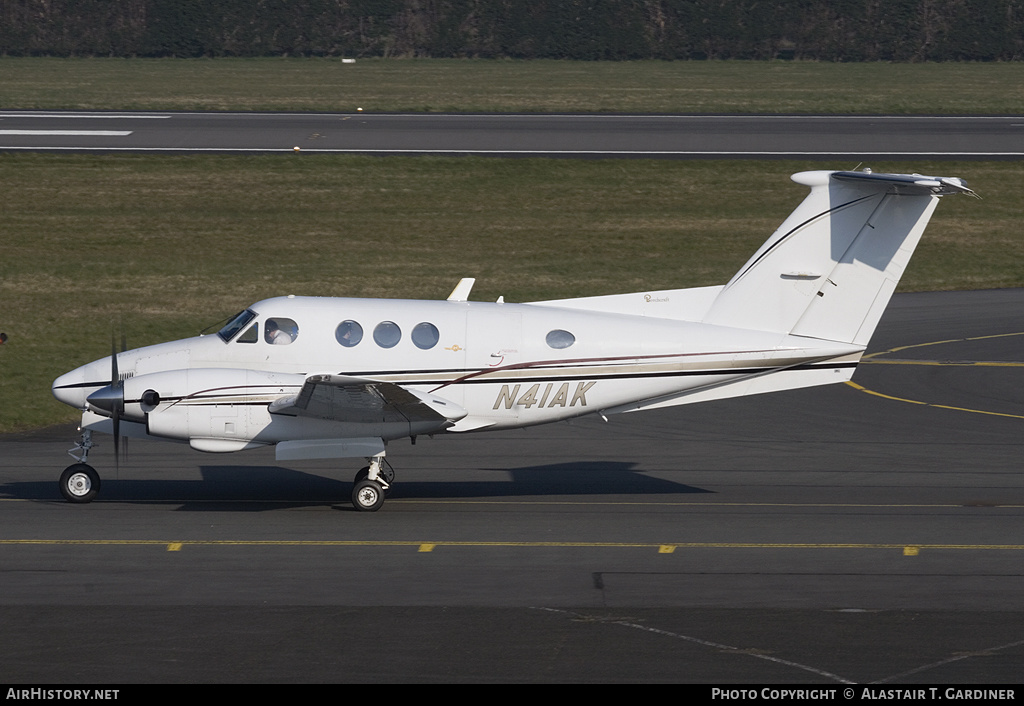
(79, 483)
(367, 495)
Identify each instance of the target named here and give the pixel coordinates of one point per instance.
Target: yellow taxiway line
(874, 360)
(426, 546)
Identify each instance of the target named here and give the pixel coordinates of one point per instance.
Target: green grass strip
(454, 85)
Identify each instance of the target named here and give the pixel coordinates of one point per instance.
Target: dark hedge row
(838, 30)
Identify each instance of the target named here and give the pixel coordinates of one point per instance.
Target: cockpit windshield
(236, 324)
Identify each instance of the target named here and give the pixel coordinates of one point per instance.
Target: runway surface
(591, 135)
(868, 533)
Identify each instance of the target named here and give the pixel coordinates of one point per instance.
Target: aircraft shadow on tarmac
(572, 478)
(247, 488)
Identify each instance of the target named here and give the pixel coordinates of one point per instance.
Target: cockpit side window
(250, 336)
(239, 322)
(280, 331)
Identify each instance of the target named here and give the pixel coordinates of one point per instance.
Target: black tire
(79, 483)
(367, 496)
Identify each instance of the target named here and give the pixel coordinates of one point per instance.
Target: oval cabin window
(560, 339)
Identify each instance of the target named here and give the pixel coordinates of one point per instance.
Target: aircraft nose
(66, 389)
(74, 387)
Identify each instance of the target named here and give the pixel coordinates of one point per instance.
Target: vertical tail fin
(829, 270)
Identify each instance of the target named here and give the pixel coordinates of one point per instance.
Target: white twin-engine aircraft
(340, 378)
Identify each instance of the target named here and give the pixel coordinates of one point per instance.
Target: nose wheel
(79, 483)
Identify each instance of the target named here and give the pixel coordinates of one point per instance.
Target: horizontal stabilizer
(825, 372)
(909, 183)
(678, 304)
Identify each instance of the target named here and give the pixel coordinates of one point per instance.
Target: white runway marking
(561, 153)
(86, 116)
(73, 133)
(503, 116)
(709, 643)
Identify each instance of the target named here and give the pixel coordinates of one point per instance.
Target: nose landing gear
(80, 483)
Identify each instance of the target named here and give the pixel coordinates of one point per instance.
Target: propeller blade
(110, 399)
(114, 375)
(117, 442)
(116, 399)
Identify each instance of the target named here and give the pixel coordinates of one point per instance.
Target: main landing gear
(372, 485)
(79, 483)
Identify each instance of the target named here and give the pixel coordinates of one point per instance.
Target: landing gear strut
(372, 484)
(79, 483)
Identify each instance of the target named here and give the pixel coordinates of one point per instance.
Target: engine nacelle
(215, 409)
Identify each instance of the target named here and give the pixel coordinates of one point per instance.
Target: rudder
(829, 270)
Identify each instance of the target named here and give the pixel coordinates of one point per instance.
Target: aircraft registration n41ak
(340, 378)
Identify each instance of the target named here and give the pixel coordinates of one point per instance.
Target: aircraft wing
(355, 400)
